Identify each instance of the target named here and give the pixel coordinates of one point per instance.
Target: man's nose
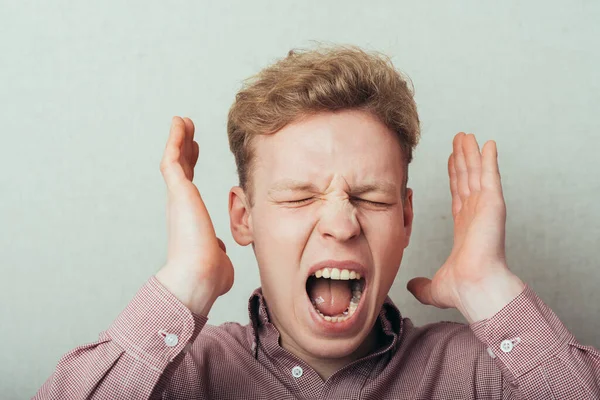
(339, 221)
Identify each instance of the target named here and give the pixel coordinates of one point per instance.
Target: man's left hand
(475, 278)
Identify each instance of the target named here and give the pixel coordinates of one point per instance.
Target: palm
(193, 242)
(193, 245)
(479, 215)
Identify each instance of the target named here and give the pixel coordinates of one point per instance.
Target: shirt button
(297, 371)
(171, 340)
(506, 346)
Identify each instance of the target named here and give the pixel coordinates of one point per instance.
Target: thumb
(421, 289)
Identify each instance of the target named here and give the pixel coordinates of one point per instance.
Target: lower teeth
(345, 315)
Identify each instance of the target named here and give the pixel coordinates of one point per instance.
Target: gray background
(88, 91)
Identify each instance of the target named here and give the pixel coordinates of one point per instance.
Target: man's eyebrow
(294, 185)
(380, 186)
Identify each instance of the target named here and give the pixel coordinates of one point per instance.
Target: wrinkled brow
(290, 185)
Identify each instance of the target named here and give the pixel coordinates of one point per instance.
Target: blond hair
(323, 79)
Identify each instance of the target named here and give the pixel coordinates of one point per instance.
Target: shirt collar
(390, 319)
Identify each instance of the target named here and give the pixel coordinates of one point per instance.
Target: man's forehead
(308, 154)
(336, 134)
(309, 162)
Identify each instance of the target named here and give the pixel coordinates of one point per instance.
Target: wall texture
(87, 93)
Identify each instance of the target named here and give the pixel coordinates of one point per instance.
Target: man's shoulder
(225, 331)
(228, 335)
(441, 333)
(450, 343)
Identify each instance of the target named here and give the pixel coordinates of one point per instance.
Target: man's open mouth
(335, 293)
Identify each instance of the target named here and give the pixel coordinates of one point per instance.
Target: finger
(169, 165)
(490, 179)
(175, 140)
(456, 203)
(473, 160)
(421, 289)
(188, 147)
(189, 128)
(461, 167)
(222, 245)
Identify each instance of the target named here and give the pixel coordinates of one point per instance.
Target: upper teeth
(335, 273)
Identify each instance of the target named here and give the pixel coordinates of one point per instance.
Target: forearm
(137, 354)
(97, 371)
(537, 355)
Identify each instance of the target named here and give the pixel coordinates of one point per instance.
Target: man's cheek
(382, 228)
(292, 226)
(385, 249)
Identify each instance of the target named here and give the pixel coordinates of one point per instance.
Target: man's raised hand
(475, 278)
(197, 270)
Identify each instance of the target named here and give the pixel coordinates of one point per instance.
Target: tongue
(331, 297)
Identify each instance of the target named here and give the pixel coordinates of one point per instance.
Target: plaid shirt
(158, 349)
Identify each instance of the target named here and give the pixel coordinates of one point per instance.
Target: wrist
(198, 298)
(484, 299)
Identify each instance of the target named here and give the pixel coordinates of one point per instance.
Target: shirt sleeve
(136, 356)
(538, 356)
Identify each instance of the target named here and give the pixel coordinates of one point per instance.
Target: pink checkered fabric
(158, 349)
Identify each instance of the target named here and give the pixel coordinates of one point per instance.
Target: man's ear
(239, 216)
(408, 215)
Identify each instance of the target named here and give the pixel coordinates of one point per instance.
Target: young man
(322, 141)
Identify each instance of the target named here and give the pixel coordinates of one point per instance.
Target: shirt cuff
(155, 326)
(523, 334)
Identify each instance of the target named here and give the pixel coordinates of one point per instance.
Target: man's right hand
(197, 270)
